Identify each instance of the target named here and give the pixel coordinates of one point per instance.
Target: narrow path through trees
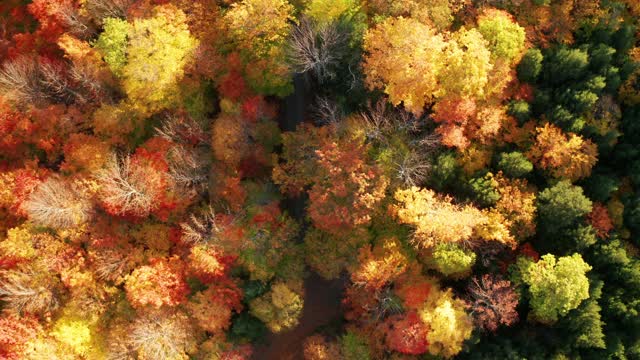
(322, 298)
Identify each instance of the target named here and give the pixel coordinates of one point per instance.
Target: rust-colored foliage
(380, 265)
(563, 155)
(213, 308)
(407, 334)
(15, 333)
(493, 302)
(600, 220)
(159, 283)
(346, 189)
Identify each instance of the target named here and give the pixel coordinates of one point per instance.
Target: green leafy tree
(452, 260)
(585, 323)
(520, 110)
(555, 287)
(515, 164)
(505, 36)
(530, 66)
(561, 206)
(484, 190)
(112, 43)
(564, 65)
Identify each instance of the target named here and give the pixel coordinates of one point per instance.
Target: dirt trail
(322, 297)
(321, 307)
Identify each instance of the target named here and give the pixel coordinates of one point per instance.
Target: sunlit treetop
(404, 58)
(505, 36)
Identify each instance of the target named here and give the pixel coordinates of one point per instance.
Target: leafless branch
(125, 187)
(28, 81)
(189, 168)
(26, 291)
(102, 9)
(326, 111)
(199, 229)
(182, 130)
(316, 49)
(55, 204)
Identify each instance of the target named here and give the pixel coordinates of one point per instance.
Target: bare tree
(190, 158)
(19, 81)
(326, 111)
(57, 205)
(388, 304)
(203, 228)
(316, 49)
(161, 335)
(28, 291)
(92, 88)
(125, 189)
(493, 302)
(182, 130)
(102, 9)
(111, 264)
(413, 168)
(75, 23)
(28, 81)
(189, 168)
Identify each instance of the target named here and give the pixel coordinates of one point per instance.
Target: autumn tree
(408, 334)
(437, 219)
(436, 13)
(159, 283)
(84, 154)
(449, 324)
(468, 63)
(518, 206)
(452, 261)
(260, 29)
(213, 308)
(15, 335)
(554, 286)
(505, 36)
(399, 43)
(493, 302)
(280, 308)
(347, 188)
(380, 265)
(112, 43)
(329, 254)
(317, 347)
(600, 220)
(154, 49)
(562, 155)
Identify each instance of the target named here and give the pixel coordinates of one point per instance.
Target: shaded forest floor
(322, 297)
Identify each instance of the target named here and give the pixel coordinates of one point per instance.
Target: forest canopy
(319, 179)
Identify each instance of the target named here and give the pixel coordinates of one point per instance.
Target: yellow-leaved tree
(149, 55)
(436, 219)
(449, 324)
(259, 29)
(404, 57)
(563, 155)
(468, 63)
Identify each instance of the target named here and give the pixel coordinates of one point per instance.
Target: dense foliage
(319, 179)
